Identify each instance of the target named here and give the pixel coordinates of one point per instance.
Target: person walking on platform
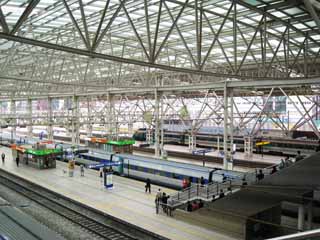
(3, 156)
(17, 161)
(148, 185)
(82, 170)
(158, 200)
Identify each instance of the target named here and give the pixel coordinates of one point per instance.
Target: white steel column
(89, 124)
(75, 120)
(231, 125)
(13, 119)
(301, 217)
(163, 155)
(225, 131)
(50, 123)
(111, 117)
(157, 96)
(30, 128)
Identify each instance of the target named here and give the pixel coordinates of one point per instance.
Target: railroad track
(51, 201)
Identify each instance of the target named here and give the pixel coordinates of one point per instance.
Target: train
(164, 173)
(277, 146)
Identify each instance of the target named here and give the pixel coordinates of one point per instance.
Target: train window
(169, 174)
(173, 175)
(163, 173)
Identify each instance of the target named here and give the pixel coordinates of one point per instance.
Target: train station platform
(126, 201)
(213, 158)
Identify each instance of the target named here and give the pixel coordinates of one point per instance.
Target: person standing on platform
(221, 195)
(17, 161)
(82, 170)
(299, 156)
(202, 182)
(148, 185)
(100, 172)
(260, 175)
(3, 156)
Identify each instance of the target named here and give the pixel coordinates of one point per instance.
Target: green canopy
(43, 152)
(121, 143)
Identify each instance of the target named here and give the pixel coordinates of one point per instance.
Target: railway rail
(111, 228)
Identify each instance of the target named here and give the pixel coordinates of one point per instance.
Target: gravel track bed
(52, 220)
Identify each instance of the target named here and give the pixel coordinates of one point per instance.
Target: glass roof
(220, 37)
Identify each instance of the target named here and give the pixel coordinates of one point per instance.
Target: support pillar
(13, 119)
(228, 128)
(89, 124)
(157, 97)
(248, 146)
(111, 123)
(149, 136)
(301, 217)
(231, 128)
(50, 122)
(192, 141)
(30, 128)
(75, 121)
(163, 152)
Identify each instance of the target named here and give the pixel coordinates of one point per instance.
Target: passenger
(158, 200)
(3, 156)
(195, 206)
(299, 156)
(260, 175)
(164, 202)
(82, 170)
(100, 172)
(201, 204)
(202, 182)
(189, 207)
(17, 161)
(282, 164)
(224, 178)
(221, 195)
(184, 183)
(244, 181)
(148, 185)
(46, 162)
(274, 170)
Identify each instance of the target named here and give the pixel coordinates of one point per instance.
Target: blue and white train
(161, 172)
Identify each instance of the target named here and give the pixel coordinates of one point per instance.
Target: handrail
(301, 235)
(212, 189)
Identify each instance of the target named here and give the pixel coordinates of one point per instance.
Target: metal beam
(25, 15)
(312, 12)
(292, 83)
(3, 22)
(109, 57)
(76, 25)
